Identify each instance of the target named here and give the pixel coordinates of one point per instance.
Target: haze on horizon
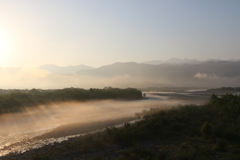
(96, 33)
(100, 33)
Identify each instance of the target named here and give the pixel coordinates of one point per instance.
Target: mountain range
(181, 73)
(225, 69)
(184, 61)
(175, 72)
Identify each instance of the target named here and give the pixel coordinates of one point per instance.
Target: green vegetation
(190, 132)
(225, 89)
(15, 100)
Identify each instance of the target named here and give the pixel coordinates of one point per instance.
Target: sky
(100, 32)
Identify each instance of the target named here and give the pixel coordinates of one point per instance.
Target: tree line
(16, 100)
(225, 89)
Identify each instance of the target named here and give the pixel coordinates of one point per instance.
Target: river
(56, 122)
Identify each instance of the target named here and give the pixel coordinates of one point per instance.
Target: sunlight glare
(4, 44)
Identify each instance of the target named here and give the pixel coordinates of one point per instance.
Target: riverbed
(56, 122)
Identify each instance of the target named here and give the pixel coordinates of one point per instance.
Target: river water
(20, 131)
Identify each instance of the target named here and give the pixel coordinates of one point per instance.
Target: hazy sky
(98, 32)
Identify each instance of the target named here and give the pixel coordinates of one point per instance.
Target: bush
(137, 153)
(206, 130)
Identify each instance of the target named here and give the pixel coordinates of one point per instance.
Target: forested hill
(15, 100)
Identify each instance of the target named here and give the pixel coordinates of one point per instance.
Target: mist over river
(56, 122)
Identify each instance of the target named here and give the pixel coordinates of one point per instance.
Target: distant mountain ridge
(212, 73)
(65, 69)
(173, 61)
(129, 74)
(218, 68)
(184, 61)
(214, 68)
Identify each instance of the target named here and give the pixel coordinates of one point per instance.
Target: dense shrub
(228, 105)
(206, 130)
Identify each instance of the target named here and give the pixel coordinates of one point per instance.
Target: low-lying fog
(18, 129)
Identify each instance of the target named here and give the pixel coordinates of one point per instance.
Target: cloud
(204, 75)
(200, 75)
